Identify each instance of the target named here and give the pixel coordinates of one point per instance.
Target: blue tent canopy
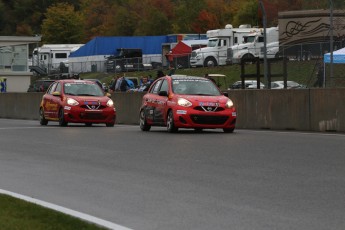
(338, 57)
(109, 45)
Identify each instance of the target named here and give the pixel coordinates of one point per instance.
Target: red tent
(185, 48)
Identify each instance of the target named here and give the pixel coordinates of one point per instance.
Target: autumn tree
(216, 15)
(186, 12)
(24, 17)
(154, 17)
(124, 23)
(246, 13)
(98, 17)
(62, 25)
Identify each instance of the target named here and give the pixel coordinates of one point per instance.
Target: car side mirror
(56, 93)
(226, 94)
(108, 95)
(163, 93)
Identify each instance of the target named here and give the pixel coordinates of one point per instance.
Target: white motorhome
(49, 57)
(253, 46)
(218, 42)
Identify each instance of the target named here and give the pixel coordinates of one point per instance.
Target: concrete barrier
(327, 108)
(20, 105)
(272, 109)
(300, 109)
(127, 107)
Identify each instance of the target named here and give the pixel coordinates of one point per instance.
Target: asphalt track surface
(157, 180)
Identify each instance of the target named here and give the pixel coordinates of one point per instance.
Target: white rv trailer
(50, 57)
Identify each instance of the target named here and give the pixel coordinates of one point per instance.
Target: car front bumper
(81, 115)
(202, 119)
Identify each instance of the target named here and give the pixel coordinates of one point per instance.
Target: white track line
(67, 211)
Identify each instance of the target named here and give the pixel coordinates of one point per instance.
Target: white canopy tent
(338, 57)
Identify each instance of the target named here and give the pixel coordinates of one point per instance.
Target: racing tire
(143, 123)
(62, 121)
(170, 123)
(231, 130)
(110, 124)
(43, 121)
(210, 62)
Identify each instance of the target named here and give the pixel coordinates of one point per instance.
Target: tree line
(78, 21)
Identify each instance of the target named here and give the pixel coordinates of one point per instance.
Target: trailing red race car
(181, 101)
(77, 101)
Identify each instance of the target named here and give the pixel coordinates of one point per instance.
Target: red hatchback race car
(77, 101)
(181, 101)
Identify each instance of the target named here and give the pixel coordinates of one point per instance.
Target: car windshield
(83, 89)
(195, 87)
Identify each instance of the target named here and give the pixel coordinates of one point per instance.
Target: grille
(92, 116)
(209, 120)
(209, 108)
(93, 107)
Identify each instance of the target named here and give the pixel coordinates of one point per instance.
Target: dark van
(125, 60)
(40, 86)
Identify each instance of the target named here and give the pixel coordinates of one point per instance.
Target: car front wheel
(62, 121)
(231, 130)
(110, 124)
(143, 123)
(170, 123)
(43, 121)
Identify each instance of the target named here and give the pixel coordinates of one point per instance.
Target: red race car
(77, 101)
(181, 101)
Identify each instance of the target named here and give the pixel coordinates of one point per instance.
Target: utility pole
(331, 44)
(264, 23)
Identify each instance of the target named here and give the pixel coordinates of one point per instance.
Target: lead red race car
(181, 101)
(77, 101)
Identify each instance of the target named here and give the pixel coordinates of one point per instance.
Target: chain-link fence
(113, 65)
(305, 63)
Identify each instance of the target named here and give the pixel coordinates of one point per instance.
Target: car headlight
(110, 103)
(229, 104)
(71, 101)
(183, 102)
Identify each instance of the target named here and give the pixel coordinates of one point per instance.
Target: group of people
(123, 84)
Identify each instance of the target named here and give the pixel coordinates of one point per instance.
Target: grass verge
(17, 214)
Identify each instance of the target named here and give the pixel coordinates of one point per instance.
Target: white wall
(17, 82)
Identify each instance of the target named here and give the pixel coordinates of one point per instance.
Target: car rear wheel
(231, 130)
(143, 123)
(62, 121)
(170, 123)
(43, 121)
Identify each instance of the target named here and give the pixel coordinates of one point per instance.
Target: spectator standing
(3, 85)
(113, 84)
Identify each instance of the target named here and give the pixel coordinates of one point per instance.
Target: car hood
(197, 99)
(86, 99)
